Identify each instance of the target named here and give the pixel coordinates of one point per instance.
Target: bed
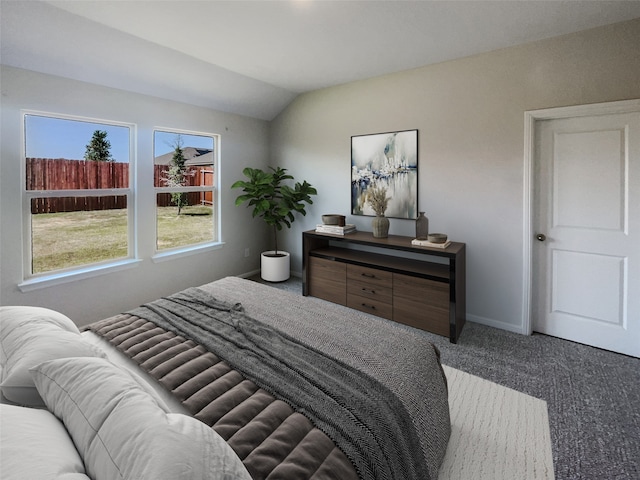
(231, 380)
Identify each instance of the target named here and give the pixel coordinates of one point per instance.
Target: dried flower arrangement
(377, 198)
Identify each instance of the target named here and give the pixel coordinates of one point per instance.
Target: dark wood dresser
(389, 277)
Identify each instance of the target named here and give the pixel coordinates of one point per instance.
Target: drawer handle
(368, 275)
(368, 290)
(372, 307)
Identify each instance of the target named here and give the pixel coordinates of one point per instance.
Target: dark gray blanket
(362, 416)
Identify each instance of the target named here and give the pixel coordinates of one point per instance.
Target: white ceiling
(254, 57)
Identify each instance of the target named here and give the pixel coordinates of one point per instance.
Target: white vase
(275, 268)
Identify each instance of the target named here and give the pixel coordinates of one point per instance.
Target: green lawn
(63, 240)
(193, 225)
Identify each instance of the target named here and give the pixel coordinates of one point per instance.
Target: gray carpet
(593, 396)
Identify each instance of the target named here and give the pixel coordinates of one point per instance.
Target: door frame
(530, 121)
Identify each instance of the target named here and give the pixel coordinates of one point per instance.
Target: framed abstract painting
(389, 161)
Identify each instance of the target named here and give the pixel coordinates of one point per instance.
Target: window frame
(32, 280)
(168, 253)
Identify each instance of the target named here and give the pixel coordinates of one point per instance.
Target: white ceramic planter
(275, 269)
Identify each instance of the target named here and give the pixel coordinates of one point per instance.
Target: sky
(48, 137)
(164, 142)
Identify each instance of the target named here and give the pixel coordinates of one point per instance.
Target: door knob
(541, 237)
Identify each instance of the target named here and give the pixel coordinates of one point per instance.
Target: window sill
(75, 275)
(186, 251)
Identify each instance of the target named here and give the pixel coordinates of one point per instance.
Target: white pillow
(30, 336)
(120, 430)
(12, 317)
(35, 445)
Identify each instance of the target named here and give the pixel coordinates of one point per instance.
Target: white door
(586, 251)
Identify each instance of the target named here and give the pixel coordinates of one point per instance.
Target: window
(186, 197)
(78, 194)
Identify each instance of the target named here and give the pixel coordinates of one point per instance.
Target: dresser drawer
(328, 280)
(370, 305)
(373, 291)
(328, 269)
(372, 276)
(421, 303)
(427, 292)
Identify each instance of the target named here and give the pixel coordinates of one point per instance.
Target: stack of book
(427, 243)
(336, 229)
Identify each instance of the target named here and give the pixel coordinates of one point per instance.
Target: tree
(98, 148)
(176, 176)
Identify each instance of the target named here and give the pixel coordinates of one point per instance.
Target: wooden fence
(196, 176)
(76, 204)
(63, 174)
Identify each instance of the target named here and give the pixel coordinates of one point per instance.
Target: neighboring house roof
(194, 156)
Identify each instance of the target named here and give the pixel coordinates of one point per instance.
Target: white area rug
(496, 433)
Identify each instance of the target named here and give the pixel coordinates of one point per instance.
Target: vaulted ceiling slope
(254, 57)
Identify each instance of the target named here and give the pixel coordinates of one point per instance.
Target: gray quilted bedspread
(363, 417)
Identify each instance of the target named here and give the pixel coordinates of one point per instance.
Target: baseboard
(257, 272)
(249, 274)
(489, 322)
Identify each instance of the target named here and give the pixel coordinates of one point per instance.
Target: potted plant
(377, 198)
(276, 203)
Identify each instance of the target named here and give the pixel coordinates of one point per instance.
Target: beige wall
(470, 117)
(244, 142)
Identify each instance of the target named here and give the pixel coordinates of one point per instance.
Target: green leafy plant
(377, 198)
(272, 199)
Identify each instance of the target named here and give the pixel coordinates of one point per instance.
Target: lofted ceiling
(254, 57)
